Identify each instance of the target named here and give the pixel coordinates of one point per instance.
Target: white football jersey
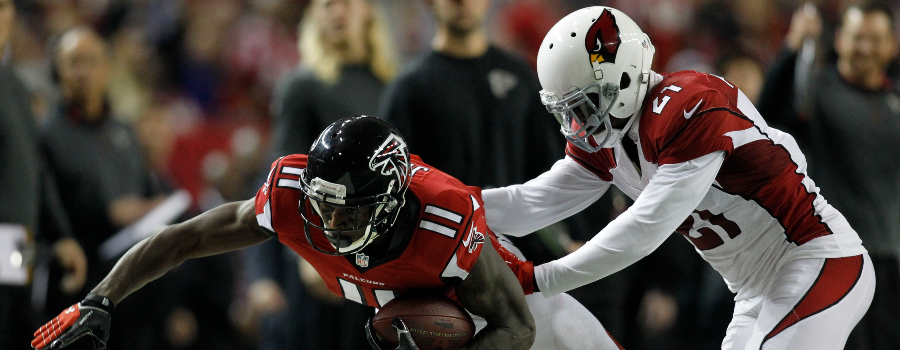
(760, 211)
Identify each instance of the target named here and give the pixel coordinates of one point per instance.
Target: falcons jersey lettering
(442, 238)
(761, 202)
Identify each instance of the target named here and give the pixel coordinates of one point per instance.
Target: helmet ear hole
(625, 81)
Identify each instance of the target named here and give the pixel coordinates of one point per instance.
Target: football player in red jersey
(698, 159)
(375, 222)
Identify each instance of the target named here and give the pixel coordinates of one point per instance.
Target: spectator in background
(452, 102)
(104, 181)
(744, 72)
(135, 71)
(347, 59)
(850, 137)
(28, 199)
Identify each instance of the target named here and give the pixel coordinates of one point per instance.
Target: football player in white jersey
(698, 159)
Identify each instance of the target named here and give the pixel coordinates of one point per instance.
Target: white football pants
(812, 304)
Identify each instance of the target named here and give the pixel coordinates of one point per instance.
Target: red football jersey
(446, 240)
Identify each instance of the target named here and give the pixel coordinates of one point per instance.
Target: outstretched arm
(492, 291)
(674, 191)
(517, 210)
(227, 227)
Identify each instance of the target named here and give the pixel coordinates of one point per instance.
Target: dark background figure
(29, 201)
(469, 108)
(849, 130)
(347, 59)
(104, 182)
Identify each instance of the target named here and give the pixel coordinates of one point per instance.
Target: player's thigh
(814, 304)
(561, 322)
(742, 324)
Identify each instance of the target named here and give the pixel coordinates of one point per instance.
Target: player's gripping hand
(89, 317)
(406, 340)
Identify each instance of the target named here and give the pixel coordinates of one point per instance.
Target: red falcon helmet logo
(602, 40)
(391, 157)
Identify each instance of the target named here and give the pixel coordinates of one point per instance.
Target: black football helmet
(355, 180)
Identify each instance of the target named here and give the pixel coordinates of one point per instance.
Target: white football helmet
(594, 64)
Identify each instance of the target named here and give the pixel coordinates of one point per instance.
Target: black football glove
(406, 340)
(89, 317)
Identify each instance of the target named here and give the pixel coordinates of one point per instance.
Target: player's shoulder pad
(688, 93)
(283, 180)
(294, 160)
(445, 192)
(422, 173)
(285, 172)
(446, 201)
(686, 116)
(451, 233)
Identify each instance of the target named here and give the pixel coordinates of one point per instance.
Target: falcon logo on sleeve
(268, 179)
(473, 239)
(602, 40)
(390, 158)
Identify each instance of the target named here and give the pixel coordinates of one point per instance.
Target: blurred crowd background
(196, 84)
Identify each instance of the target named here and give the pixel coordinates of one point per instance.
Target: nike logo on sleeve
(688, 115)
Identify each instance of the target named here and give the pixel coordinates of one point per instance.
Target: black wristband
(99, 301)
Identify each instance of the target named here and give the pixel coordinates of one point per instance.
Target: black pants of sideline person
(16, 321)
(879, 329)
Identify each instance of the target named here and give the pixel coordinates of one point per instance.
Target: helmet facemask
(582, 119)
(348, 224)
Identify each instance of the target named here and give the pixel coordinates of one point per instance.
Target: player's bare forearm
(228, 227)
(492, 291)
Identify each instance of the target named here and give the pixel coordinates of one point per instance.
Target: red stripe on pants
(615, 341)
(837, 278)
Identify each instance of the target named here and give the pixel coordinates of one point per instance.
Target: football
(435, 322)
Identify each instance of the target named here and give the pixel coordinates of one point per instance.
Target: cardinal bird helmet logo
(602, 40)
